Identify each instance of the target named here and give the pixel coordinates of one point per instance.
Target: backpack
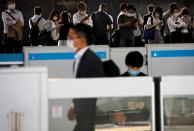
(34, 31)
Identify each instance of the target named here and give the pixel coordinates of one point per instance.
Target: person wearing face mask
(165, 16)
(36, 24)
(155, 22)
(52, 27)
(138, 26)
(176, 25)
(134, 62)
(187, 32)
(86, 65)
(126, 24)
(81, 16)
(13, 22)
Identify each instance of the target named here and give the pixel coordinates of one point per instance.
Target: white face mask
(133, 14)
(12, 6)
(55, 18)
(83, 12)
(176, 14)
(157, 15)
(71, 46)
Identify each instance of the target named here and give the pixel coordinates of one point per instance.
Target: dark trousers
(167, 39)
(85, 114)
(11, 46)
(138, 42)
(176, 37)
(187, 37)
(126, 43)
(101, 39)
(51, 42)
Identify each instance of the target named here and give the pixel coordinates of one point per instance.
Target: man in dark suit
(86, 65)
(134, 62)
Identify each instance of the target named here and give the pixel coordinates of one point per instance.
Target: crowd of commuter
(133, 29)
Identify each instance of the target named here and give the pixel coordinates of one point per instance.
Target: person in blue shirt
(134, 61)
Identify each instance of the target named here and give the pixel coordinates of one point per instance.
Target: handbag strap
(10, 15)
(191, 23)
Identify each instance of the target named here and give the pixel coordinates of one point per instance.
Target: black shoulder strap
(10, 15)
(191, 23)
(31, 22)
(38, 21)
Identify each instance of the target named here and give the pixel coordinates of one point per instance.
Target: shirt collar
(80, 53)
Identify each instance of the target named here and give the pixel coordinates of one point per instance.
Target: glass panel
(112, 114)
(179, 113)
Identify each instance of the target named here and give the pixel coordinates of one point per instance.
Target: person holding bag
(13, 22)
(52, 29)
(152, 31)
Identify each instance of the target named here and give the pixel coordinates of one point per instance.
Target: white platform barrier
(174, 59)
(24, 94)
(23, 99)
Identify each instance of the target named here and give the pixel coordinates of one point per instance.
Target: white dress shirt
(172, 23)
(78, 17)
(8, 21)
(78, 57)
(41, 23)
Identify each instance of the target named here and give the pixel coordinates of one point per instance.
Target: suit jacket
(126, 74)
(90, 66)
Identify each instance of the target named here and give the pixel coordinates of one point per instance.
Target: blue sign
(172, 53)
(12, 57)
(59, 56)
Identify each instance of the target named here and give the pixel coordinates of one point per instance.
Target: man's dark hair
(134, 59)
(150, 8)
(37, 10)
(82, 5)
(84, 30)
(173, 6)
(103, 6)
(8, 1)
(123, 6)
(131, 7)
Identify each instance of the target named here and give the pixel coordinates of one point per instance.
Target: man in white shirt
(36, 22)
(12, 18)
(81, 16)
